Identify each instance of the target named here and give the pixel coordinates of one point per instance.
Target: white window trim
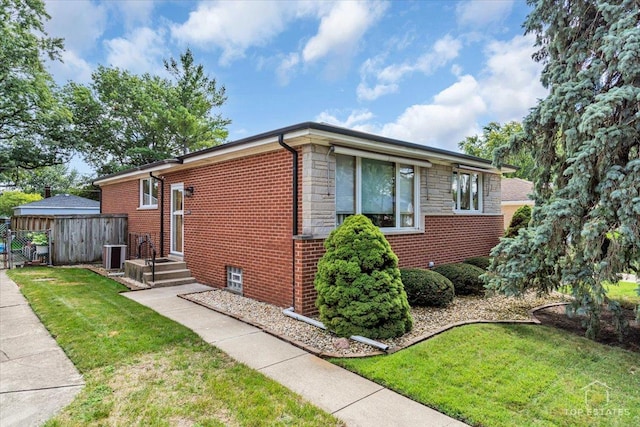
(417, 222)
(172, 221)
(141, 205)
(480, 209)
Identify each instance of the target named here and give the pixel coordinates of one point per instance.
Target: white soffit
(425, 154)
(232, 151)
(134, 174)
(378, 156)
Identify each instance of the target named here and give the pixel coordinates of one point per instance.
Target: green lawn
(513, 375)
(143, 369)
(625, 292)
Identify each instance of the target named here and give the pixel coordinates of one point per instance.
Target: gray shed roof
(62, 201)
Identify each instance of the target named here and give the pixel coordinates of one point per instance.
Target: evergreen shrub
(358, 281)
(479, 261)
(426, 288)
(520, 219)
(465, 277)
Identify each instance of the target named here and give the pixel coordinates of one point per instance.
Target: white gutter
(136, 173)
(402, 151)
(289, 312)
(384, 157)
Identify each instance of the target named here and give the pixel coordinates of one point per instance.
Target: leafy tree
(585, 140)
(359, 285)
(520, 219)
(196, 95)
(495, 135)
(60, 178)
(11, 199)
(34, 123)
(126, 120)
(121, 119)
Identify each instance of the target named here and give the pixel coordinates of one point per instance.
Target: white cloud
(81, 23)
(72, 68)
(134, 13)
(142, 51)
(370, 93)
(340, 31)
(356, 119)
(508, 86)
(482, 13)
(387, 78)
(448, 119)
(234, 26)
(342, 28)
(287, 67)
(511, 83)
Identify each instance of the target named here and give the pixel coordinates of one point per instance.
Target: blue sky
(429, 72)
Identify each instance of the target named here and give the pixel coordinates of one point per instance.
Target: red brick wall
(446, 239)
(240, 216)
(308, 252)
(124, 198)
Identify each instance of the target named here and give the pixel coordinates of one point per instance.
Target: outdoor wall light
(188, 191)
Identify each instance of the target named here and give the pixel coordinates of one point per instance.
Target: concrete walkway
(36, 378)
(357, 401)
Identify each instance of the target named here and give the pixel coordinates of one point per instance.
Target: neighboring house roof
(59, 204)
(304, 133)
(516, 191)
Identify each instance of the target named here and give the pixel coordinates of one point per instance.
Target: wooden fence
(77, 239)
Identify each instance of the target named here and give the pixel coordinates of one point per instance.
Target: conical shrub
(360, 290)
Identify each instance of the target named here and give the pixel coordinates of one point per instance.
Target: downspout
(99, 194)
(291, 313)
(161, 212)
(294, 157)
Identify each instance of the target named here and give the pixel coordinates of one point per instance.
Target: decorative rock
(341, 343)
(426, 320)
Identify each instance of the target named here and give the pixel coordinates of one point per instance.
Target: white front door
(177, 219)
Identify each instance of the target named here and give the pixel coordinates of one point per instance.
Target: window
(234, 279)
(466, 189)
(148, 193)
(383, 191)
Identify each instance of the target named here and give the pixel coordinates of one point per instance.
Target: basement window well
(234, 279)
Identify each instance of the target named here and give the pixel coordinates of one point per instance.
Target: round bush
(359, 287)
(479, 261)
(465, 277)
(521, 218)
(426, 288)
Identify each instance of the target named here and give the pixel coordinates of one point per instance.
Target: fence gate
(4, 257)
(26, 247)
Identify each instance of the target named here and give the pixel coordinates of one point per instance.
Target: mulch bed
(556, 316)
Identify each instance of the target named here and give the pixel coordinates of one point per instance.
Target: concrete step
(166, 266)
(168, 274)
(171, 282)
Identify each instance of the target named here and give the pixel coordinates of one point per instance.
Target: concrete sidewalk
(36, 378)
(357, 401)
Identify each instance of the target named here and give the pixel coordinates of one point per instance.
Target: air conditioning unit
(113, 256)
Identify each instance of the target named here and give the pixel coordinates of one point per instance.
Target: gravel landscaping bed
(427, 321)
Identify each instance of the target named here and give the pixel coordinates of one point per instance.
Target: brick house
(251, 215)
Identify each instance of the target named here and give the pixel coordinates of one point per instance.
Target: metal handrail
(147, 239)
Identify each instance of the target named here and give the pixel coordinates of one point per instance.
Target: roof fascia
(407, 150)
(305, 133)
(137, 173)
